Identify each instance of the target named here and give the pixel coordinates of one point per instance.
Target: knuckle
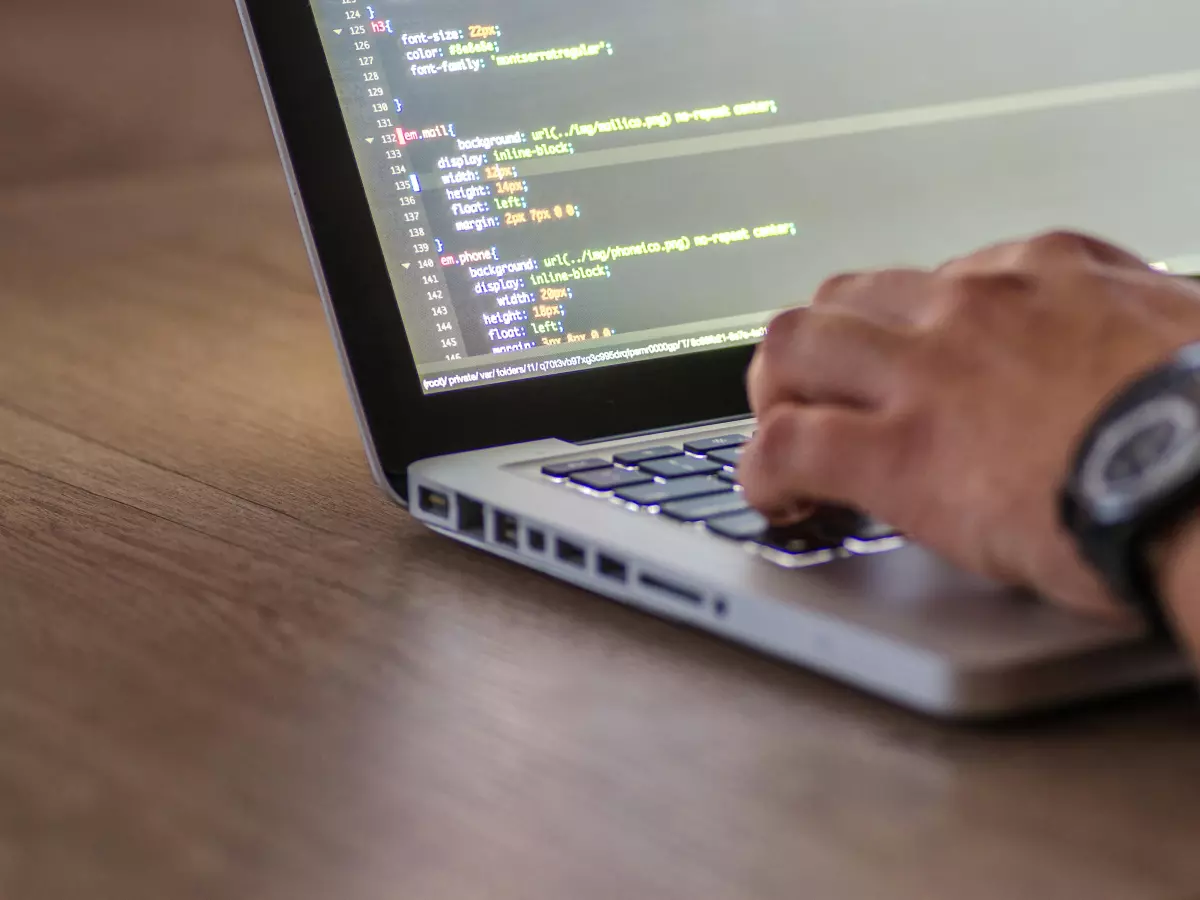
(982, 260)
(782, 342)
(836, 287)
(977, 289)
(956, 268)
(961, 298)
(782, 331)
(818, 326)
(1060, 243)
(984, 300)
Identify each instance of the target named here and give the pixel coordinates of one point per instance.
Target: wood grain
(123, 85)
(229, 668)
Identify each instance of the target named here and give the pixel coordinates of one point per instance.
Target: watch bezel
(1110, 505)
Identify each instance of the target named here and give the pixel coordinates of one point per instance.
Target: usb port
(537, 540)
(470, 516)
(612, 568)
(571, 554)
(507, 530)
(434, 502)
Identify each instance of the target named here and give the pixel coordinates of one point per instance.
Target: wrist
(1131, 499)
(1174, 561)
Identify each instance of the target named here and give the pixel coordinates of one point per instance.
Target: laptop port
(612, 568)
(674, 591)
(434, 502)
(572, 554)
(470, 517)
(507, 530)
(537, 540)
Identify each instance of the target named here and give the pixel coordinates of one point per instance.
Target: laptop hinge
(704, 423)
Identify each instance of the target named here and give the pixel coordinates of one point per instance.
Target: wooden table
(230, 669)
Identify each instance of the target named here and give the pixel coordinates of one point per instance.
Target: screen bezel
(403, 423)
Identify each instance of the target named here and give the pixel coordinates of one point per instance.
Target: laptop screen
(561, 186)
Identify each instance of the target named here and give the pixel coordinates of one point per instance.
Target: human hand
(949, 403)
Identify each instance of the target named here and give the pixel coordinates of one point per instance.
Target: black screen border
(403, 423)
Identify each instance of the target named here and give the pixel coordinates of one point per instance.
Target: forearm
(1179, 577)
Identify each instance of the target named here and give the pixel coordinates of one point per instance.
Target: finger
(891, 295)
(803, 454)
(826, 356)
(1050, 248)
(1072, 244)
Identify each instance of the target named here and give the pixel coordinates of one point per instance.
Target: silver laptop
(549, 236)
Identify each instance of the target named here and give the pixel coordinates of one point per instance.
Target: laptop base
(899, 624)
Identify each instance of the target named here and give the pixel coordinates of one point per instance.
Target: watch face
(1144, 453)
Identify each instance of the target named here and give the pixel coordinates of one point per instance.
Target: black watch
(1135, 477)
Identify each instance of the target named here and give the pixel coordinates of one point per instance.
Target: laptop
(549, 236)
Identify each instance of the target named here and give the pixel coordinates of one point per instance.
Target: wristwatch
(1135, 477)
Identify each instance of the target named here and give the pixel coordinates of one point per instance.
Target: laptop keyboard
(696, 484)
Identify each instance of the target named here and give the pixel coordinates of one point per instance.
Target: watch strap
(1119, 550)
(1118, 555)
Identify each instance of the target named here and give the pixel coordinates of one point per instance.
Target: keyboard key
(869, 529)
(610, 479)
(729, 457)
(705, 507)
(704, 447)
(567, 469)
(805, 537)
(637, 457)
(730, 477)
(678, 489)
(840, 524)
(835, 521)
(681, 467)
(745, 526)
